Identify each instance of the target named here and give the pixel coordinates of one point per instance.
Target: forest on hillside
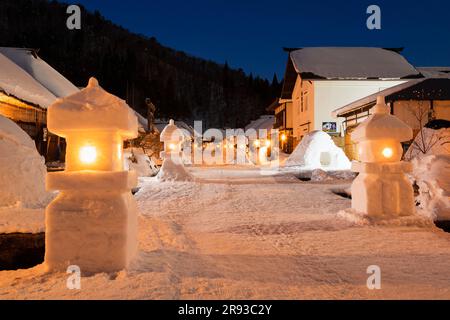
(134, 66)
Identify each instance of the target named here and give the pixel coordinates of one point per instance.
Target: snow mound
(432, 176)
(22, 169)
(317, 150)
(172, 171)
(137, 160)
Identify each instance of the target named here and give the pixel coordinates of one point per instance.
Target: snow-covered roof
(417, 89)
(351, 63)
(435, 72)
(264, 122)
(29, 78)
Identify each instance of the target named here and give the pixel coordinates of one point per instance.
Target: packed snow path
(236, 234)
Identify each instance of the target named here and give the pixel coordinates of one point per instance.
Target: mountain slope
(134, 66)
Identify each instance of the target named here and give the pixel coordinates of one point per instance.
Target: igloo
(22, 168)
(93, 221)
(318, 151)
(381, 188)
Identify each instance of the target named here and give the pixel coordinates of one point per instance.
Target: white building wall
(332, 94)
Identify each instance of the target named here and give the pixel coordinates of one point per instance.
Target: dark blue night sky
(250, 34)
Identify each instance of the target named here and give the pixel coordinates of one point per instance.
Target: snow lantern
(93, 221)
(171, 136)
(172, 168)
(381, 187)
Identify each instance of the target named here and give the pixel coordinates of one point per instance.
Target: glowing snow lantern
(92, 223)
(381, 187)
(172, 137)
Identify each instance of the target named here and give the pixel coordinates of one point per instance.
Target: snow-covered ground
(236, 234)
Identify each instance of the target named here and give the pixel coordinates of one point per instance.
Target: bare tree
(428, 139)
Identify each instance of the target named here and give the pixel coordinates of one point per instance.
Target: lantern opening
(387, 152)
(88, 154)
(283, 137)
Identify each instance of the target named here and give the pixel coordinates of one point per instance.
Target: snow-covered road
(236, 234)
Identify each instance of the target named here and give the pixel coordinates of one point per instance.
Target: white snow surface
(43, 73)
(173, 171)
(318, 151)
(92, 108)
(16, 82)
(351, 63)
(135, 159)
(432, 175)
(236, 234)
(31, 79)
(431, 171)
(22, 169)
(16, 219)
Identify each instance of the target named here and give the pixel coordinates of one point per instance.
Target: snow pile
(430, 157)
(22, 169)
(432, 176)
(137, 160)
(172, 171)
(317, 150)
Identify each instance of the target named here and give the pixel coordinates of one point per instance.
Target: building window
(301, 102)
(306, 100)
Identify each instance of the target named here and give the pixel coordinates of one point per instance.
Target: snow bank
(432, 176)
(137, 160)
(317, 150)
(430, 158)
(171, 171)
(15, 219)
(22, 169)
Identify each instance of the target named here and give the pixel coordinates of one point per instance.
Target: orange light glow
(88, 154)
(387, 152)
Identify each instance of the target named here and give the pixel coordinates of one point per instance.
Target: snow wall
(22, 169)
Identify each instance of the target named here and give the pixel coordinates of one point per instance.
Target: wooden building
(28, 85)
(282, 108)
(318, 80)
(416, 103)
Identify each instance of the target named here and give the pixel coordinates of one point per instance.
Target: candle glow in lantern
(171, 136)
(172, 167)
(93, 221)
(381, 188)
